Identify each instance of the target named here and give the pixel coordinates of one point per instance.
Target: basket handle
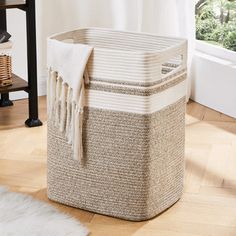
(174, 60)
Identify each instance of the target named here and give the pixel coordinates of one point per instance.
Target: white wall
(17, 27)
(214, 81)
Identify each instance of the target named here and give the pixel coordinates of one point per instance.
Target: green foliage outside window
(216, 22)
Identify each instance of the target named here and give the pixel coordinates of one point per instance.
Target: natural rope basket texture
(133, 127)
(5, 64)
(5, 71)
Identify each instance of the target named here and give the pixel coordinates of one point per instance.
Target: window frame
(216, 51)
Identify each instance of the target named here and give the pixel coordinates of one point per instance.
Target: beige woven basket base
(134, 164)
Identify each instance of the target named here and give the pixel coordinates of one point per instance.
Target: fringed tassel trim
(67, 114)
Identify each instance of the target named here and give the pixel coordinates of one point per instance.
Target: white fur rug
(21, 215)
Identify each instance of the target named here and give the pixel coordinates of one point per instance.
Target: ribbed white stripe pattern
(128, 56)
(118, 57)
(134, 103)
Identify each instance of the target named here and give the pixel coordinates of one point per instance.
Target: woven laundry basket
(5, 64)
(133, 127)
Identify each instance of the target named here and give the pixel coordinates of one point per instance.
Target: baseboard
(214, 83)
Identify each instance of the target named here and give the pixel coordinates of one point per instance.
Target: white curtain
(163, 17)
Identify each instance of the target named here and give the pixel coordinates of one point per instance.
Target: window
(216, 22)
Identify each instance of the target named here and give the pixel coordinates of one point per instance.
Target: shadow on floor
(202, 113)
(197, 169)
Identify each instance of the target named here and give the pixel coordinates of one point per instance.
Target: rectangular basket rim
(180, 42)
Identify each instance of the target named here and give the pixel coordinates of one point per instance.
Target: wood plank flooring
(208, 206)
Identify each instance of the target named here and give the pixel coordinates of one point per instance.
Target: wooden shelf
(18, 85)
(4, 4)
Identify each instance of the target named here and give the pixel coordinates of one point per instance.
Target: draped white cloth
(67, 67)
(168, 18)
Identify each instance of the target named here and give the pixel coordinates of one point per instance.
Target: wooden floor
(208, 206)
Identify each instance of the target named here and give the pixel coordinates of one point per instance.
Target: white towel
(67, 67)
